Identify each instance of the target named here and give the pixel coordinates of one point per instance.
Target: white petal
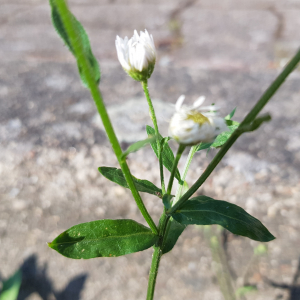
(199, 102)
(179, 102)
(136, 36)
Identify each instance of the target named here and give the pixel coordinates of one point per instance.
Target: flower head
(137, 55)
(192, 125)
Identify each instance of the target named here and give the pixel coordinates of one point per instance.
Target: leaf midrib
(106, 237)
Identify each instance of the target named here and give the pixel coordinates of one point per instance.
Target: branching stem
(248, 119)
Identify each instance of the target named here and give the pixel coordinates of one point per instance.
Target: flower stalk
(159, 148)
(177, 158)
(95, 92)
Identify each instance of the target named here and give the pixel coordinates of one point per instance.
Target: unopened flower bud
(137, 55)
(193, 125)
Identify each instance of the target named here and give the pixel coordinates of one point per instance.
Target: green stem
(153, 272)
(248, 119)
(174, 167)
(82, 61)
(153, 117)
(157, 254)
(185, 170)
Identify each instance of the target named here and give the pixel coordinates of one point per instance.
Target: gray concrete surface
(52, 143)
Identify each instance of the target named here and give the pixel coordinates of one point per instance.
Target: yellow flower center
(197, 118)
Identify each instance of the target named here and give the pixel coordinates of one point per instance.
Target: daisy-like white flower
(193, 125)
(137, 55)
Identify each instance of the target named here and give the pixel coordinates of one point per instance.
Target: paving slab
(52, 143)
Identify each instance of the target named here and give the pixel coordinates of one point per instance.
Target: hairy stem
(153, 272)
(157, 254)
(248, 119)
(95, 92)
(153, 117)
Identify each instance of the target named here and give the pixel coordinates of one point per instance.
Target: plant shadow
(36, 280)
(293, 288)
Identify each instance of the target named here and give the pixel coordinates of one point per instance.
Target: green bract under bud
(137, 55)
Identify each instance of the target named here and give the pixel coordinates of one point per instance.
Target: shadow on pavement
(36, 280)
(293, 288)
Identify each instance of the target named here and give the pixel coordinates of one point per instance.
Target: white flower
(137, 55)
(192, 125)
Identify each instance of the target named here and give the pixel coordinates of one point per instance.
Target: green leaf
(103, 238)
(82, 39)
(228, 117)
(11, 287)
(164, 141)
(203, 146)
(138, 145)
(256, 123)
(222, 138)
(174, 230)
(167, 153)
(167, 200)
(203, 210)
(117, 176)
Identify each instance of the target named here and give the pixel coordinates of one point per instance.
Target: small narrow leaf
(164, 141)
(167, 200)
(138, 145)
(167, 153)
(222, 138)
(256, 123)
(103, 238)
(174, 230)
(117, 176)
(11, 286)
(228, 117)
(203, 210)
(203, 146)
(82, 39)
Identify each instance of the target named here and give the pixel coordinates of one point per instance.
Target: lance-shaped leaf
(203, 146)
(103, 238)
(82, 38)
(222, 138)
(11, 286)
(167, 153)
(167, 200)
(174, 230)
(138, 145)
(117, 176)
(203, 210)
(256, 123)
(229, 117)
